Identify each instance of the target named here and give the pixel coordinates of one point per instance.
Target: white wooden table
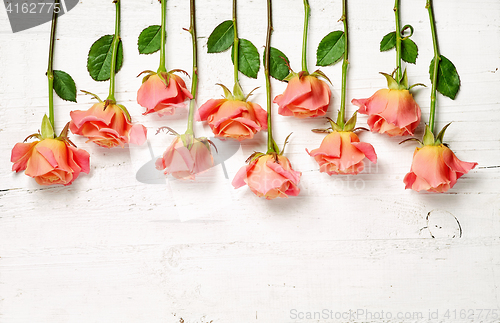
(112, 249)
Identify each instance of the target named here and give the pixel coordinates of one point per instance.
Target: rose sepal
(284, 145)
(402, 84)
(428, 139)
(164, 76)
(294, 74)
(148, 73)
(272, 151)
(63, 136)
(94, 96)
(273, 147)
(254, 156)
(439, 138)
(47, 131)
(351, 123)
(392, 84)
(319, 73)
(125, 111)
(187, 140)
(238, 92)
(227, 93)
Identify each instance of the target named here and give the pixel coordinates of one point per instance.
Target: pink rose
(342, 153)
(232, 118)
(107, 127)
(185, 157)
(270, 176)
(155, 96)
(50, 161)
(390, 111)
(305, 96)
(435, 169)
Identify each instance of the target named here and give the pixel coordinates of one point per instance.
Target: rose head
(270, 176)
(107, 126)
(50, 161)
(390, 111)
(305, 96)
(341, 152)
(233, 118)
(435, 168)
(163, 99)
(185, 157)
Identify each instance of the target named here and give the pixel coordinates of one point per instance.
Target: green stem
(437, 58)
(271, 144)
(307, 8)
(194, 83)
(399, 72)
(114, 44)
(163, 36)
(236, 45)
(50, 69)
(345, 65)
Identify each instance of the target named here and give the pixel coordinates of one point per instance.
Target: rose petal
(330, 146)
(455, 164)
(81, 158)
(21, 154)
(208, 108)
(367, 149)
(202, 157)
(239, 179)
(296, 89)
(428, 164)
(138, 134)
(95, 113)
(260, 114)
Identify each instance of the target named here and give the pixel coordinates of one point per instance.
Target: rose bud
(305, 96)
(270, 176)
(107, 124)
(233, 117)
(341, 152)
(185, 157)
(163, 94)
(392, 111)
(50, 160)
